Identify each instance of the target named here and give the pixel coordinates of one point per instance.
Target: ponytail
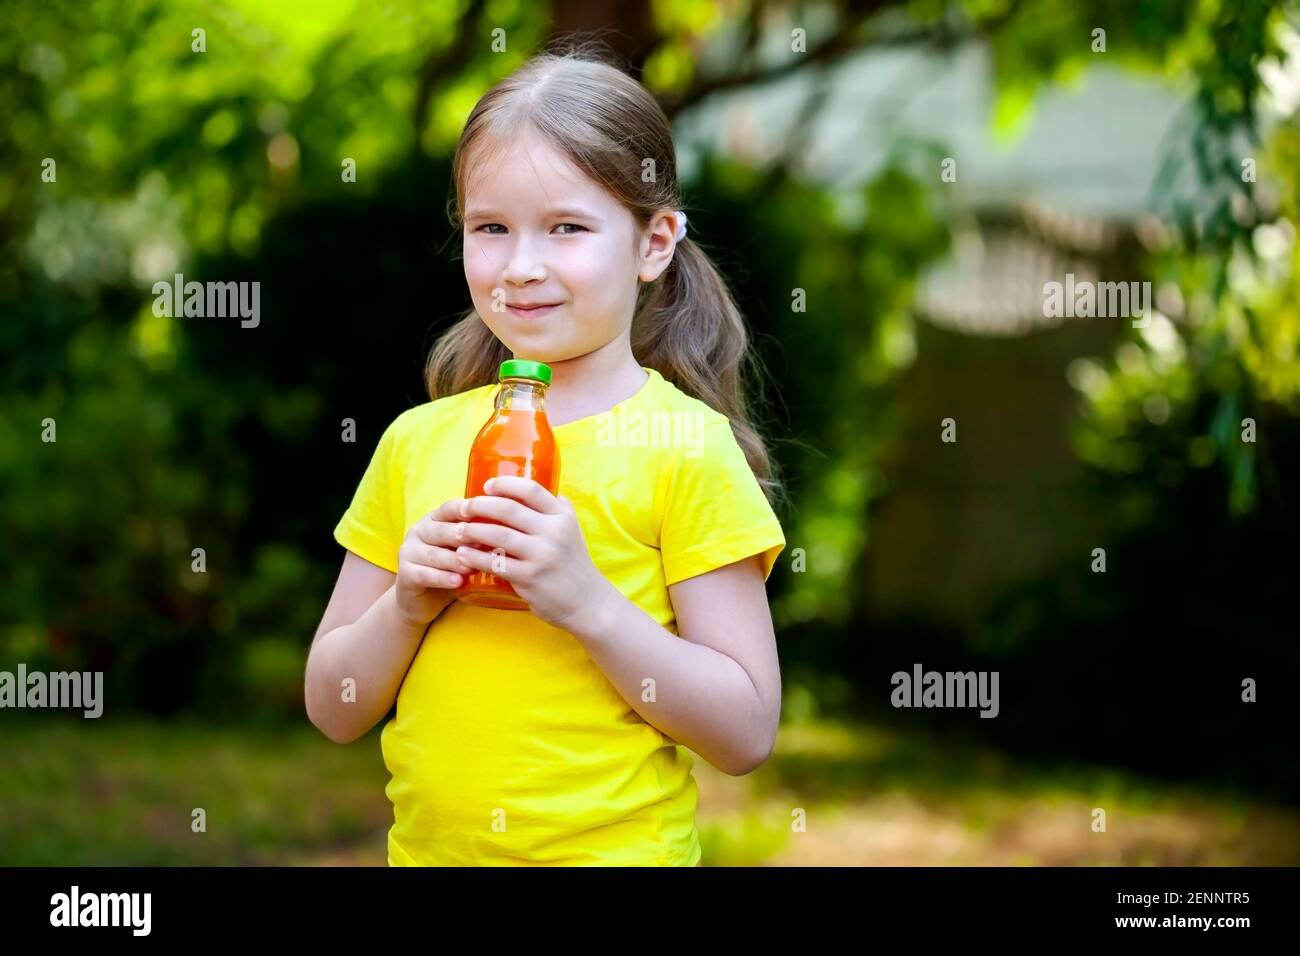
(690, 330)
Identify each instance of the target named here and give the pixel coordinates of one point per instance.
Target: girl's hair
(686, 325)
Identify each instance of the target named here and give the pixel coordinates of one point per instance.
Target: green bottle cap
(526, 368)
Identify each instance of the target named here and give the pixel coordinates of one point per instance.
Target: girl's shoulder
(448, 409)
(692, 435)
(440, 415)
(668, 397)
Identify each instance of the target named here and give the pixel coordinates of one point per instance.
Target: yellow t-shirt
(509, 745)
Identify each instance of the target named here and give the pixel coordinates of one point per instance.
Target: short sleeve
(371, 526)
(715, 511)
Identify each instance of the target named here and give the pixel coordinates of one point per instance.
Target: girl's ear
(657, 244)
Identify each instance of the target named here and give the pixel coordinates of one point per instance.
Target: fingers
(449, 510)
(426, 577)
(530, 492)
(498, 536)
(445, 526)
(438, 526)
(507, 511)
(432, 556)
(498, 563)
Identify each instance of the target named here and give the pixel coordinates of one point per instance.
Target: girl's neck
(593, 383)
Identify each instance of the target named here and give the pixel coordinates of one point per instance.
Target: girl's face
(540, 234)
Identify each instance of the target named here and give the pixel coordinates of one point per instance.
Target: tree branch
(844, 41)
(444, 63)
(833, 47)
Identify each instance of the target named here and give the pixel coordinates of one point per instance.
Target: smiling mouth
(533, 310)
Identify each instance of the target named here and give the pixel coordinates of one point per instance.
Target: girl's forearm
(374, 652)
(702, 698)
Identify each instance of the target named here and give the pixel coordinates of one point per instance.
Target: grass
(839, 795)
(98, 793)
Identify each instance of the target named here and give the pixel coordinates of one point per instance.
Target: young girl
(557, 735)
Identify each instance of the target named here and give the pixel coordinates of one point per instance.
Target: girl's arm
(373, 626)
(361, 637)
(717, 687)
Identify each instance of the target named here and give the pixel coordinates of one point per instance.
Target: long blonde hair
(686, 325)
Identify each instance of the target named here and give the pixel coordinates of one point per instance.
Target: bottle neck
(521, 393)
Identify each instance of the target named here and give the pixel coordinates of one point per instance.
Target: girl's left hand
(545, 556)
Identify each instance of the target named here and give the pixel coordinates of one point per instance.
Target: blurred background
(888, 186)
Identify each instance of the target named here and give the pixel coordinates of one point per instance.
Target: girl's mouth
(532, 312)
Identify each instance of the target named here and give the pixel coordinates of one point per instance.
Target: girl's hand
(427, 562)
(539, 548)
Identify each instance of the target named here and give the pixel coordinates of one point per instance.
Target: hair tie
(681, 226)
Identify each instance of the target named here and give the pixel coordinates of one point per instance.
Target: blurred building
(1071, 191)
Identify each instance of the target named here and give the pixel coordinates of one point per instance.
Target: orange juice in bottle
(517, 440)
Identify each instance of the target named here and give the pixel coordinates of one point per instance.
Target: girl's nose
(523, 265)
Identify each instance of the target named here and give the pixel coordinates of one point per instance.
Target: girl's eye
(491, 226)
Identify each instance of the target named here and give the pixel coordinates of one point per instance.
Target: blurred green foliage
(1177, 396)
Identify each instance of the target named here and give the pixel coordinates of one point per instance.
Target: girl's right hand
(427, 563)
